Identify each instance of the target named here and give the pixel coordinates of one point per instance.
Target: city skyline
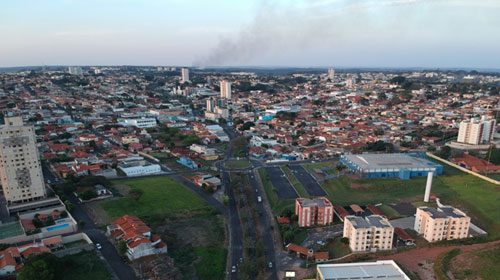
(386, 33)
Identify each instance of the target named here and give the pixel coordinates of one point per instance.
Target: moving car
(233, 269)
(98, 246)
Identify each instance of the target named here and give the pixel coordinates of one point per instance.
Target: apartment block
(441, 223)
(20, 172)
(371, 233)
(317, 211)
(476, 131)
(225, 89)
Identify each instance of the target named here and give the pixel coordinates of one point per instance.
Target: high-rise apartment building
(225, 89)
(331, 74)
(372, 233)
(75, 70)
(476, 131)
(210, 105)
(20, 171)
(317, 211)
(441, 223)
(185, 75)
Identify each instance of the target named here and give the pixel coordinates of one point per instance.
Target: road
(311, 186)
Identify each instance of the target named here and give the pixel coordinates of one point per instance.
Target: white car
(98, 246)
(259, 198)
(233, 269)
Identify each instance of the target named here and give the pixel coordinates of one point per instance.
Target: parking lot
(279, 181)
(307, 181)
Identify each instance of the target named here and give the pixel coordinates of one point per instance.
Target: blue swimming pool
(60, 221)
(57, 227)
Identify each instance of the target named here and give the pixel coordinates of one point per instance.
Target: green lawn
(162, 196)
(213, 262)
(239, 147)
(494, 176)
(237, 164)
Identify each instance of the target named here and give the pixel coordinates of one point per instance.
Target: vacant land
(327, 164)
(82, 266)
(390, 212)
(476, 264)
(337, 249)
(294, 182)
(162, 196)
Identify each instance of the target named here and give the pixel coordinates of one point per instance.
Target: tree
(136, 194)
(39, 267)
(122, 247)
(344, 240)
(494, 157)
(247, 125)
(444, 153)
(87, 195)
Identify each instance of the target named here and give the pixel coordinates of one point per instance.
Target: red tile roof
(402, 234)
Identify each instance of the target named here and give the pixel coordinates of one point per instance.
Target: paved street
(307, 181)
(279, 181)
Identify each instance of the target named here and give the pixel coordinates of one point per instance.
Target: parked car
(259, 198)
(323, 243)
(233, 269)
(241, 260)
(98, 246)
(270, 264)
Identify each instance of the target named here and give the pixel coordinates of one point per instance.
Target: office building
(75, 70)
(476, 131)
(331, 74)
(317, 211)
(387, 269)
(185, 75)
(436, 224)
(372, 233)
(20, 172)
(225, 89)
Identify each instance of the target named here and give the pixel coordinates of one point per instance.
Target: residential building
(387, 269)
(476, 131)
(75, 70)
(331, 74)
(317, 211)
(210, 105)
(436, 224)
(137, 235)
(371, 233)
(185, 75)
(21, 174)
(225, 89)
(403, 166)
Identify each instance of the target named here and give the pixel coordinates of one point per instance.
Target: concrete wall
(464, 169)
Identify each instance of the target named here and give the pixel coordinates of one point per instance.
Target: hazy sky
(342, 33)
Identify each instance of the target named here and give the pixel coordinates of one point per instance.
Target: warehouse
(403, 166)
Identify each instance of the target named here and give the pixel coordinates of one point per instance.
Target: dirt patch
(157, 267)
(427, 256)
(97, 213)
(360, 186)
(464, 262)
(122, 189)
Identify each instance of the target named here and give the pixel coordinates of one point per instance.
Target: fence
(464, 169)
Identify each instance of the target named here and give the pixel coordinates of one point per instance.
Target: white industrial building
(476, 131)
(368, 270)
(138, 168)
(141, 122)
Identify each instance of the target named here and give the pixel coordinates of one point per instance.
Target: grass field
(213, 262)
(237, 164)
(480, 199)
(494, 176)
(162, 196)
(9, 230)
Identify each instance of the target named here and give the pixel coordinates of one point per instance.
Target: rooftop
(370, 270)
(369, 221)
(320, 201)
(443, 212)
(390, 161)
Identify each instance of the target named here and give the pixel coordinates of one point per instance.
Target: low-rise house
(139, 168)
(137, 235)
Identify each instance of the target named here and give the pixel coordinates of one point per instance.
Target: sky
(304, 33)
